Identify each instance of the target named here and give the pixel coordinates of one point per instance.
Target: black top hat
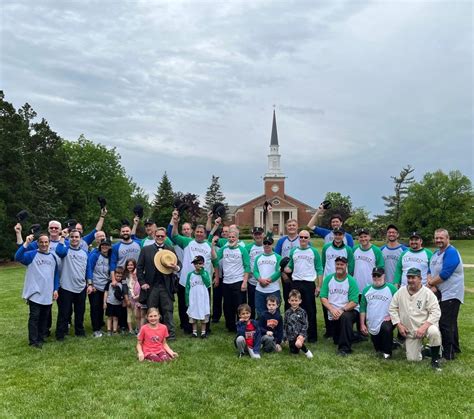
(102, 201)
(22, 216)
(218, 209)
(138, 210)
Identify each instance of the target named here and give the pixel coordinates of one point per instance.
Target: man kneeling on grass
(415, 312)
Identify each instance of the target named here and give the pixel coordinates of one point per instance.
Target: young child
(133, 306)
(151, 343)
(271, 326)
(113, 299)
(296, 325)
(197, 296)
(248, 333)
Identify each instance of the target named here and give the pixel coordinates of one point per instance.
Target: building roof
(274, 139)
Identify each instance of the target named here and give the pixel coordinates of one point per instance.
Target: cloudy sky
(360, 89)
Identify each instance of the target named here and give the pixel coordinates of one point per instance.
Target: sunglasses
(304, 237)
(160, 236)
(54, 228)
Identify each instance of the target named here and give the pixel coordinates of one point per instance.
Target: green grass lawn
(102, 378)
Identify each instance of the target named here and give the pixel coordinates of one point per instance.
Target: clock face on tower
(275, 188)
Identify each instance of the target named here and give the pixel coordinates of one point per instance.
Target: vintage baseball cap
(391, 226)
(198, 259)
(102, 201)
(341, 259)
(339, 230)
(268, 241)
(22, 216)
(218, 209)
(363, 231)
(257, 230)
(105, 242)
(149, 221)
(138, 210)
(378, 271)
(415, 234)
(414, 272)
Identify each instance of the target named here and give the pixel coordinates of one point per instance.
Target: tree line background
(53, 178)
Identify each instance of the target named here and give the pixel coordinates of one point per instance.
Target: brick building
(284, 207)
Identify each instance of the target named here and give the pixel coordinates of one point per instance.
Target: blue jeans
(261, 301)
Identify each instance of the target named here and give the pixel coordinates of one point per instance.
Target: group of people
(135, 281)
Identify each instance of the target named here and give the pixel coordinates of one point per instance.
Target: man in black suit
(158, 283)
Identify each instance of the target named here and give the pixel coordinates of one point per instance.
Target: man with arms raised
(327, 234)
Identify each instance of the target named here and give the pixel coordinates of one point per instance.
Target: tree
(193, 214)
(214, 194)
(439, 201)
(340, 204)
(394, 202)
(163, 202)
(358, 219)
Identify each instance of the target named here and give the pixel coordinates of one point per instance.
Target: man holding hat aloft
(416, 256)
(415, 312)
(374, 315)
(156, 269)
(254, 249)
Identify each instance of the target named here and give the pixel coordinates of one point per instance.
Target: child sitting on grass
(113, 300)
(271, 326)
(248, 333)
(296, 325)
(197, 296)
(152, 344)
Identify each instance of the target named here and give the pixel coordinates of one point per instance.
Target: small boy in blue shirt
(248, 337)
(271, 326)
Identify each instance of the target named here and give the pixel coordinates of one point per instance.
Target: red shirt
(152, 338)
(249, 332)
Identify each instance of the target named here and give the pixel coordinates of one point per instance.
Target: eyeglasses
(54, 228)
(304, 237)
(160, 236)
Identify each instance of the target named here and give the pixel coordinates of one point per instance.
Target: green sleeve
(325, 287)
(353, 290)
(256, 272)
(276, 275)
(350, 260)
(169, 242)
(291, 264)
(397, 276)
(245, 259)
(393, 289)
(429, 254)
(205, 278)
(248, 247)
(181, 241)
(379, 260)
(317, 262)
(188, 287)
(363, 300)
(323, 253)
(221, 242)
(219, 255)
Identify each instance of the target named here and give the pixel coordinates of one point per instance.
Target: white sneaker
(253, 354)
(97, 334)
(309, 354)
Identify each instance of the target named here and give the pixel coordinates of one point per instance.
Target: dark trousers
(68, 300)
(383, 341)
(327, 323)
(96, 303)
(342, 330)
(287, 287)
(448, 326)
(160, 298)
(294, 349)
(217, 301)
(37, 322)
(308, 304)
(251, 298)
(182, 309)
(233, 297)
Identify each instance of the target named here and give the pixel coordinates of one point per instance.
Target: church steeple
(274, 169)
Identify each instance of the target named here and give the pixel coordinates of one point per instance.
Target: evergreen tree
(214, 194)
(163, 202)
(193, 213)
(394, 202)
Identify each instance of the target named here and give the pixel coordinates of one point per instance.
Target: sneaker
(426, 351)
(436, 365)
(341, 352)
(309, 354)
(252, 353)
(386, 356)
(241, 355)
(131, 333)
(110, 333)
(203, 335)
(97, 334)
(194, 335)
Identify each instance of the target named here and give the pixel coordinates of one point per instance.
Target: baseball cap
(149, 221)
(198, 259)
(257, 230)
(415, 234)
(341, 259)
(363, 231)
(414, 272)
(339, 230)
(378, 271)
(392, 226)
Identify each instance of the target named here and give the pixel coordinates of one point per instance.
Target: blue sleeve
(91, 262)
(89, 238)
(138, 241)
(33, 245)
(451, 261)
(114, 257)
(279, 331)
(322, 232)
(61, 250)
(262, 324)
(24, 256)
(350, 240)
(169, 230)
(279, 245)
(56, 276)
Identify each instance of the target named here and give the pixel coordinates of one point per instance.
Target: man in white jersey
(307, 270)
(391, 252)
(374, 315)
(414, 257)
(283, 248)
(415, 312)
(267, 273)
(366, 257)
(447, 274)
(254, 249)
(236, 268)
(340, 295)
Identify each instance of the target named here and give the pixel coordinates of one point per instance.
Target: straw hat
(163, 260)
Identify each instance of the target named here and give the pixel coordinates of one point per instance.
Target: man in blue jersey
(391, 252)
(335, 221)
(126, 248)
(447, 274)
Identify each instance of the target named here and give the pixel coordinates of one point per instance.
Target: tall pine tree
(394, 202)
(214, 194)
(163, 202)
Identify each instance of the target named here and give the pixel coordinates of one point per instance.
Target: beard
(125, 236)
